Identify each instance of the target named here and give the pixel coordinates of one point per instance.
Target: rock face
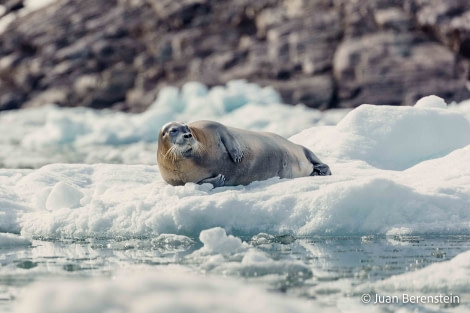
(325, 53)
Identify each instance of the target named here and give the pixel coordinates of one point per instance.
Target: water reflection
(326, 266)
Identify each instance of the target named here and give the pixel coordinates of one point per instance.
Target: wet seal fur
(210, 152)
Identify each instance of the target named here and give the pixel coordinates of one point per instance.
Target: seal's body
(209, 152)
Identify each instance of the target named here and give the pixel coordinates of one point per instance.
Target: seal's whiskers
(172, 153)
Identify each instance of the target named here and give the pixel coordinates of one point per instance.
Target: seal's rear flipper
(319, 168)
(217, 181)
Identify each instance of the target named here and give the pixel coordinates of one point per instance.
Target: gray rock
(448, 21)
(317, 91)
(394, 18)
(112, 87)
(10, 101)
(11, 6)
(324, 53)
(385, 68)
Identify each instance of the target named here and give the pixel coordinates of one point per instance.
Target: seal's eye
(173, 131)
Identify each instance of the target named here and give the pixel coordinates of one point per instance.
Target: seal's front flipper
(233, 146)
(217, 181)
(319, 168)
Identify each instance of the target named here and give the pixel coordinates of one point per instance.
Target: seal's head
(176, 140)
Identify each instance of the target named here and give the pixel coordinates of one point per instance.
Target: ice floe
(395, 170)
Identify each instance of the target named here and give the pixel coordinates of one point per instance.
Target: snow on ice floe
(428, 193)
(392, 137)
(10, 205)
(431, 101)
(38, 136)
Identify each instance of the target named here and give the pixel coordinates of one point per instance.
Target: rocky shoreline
(119, 53)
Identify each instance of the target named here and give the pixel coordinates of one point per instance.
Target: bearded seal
(210, 152)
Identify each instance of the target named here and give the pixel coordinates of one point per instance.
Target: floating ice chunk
(255, 256)
(229, 256)
(256, 263)
(193, 90)
(59, 128)
(431, 102)
(168, 97)
(240, 92)
(171, 242)
(216, 241)
(263, 239)
(195, 100)
(445, 277)
(12, 240)
(62, 196)
(155, 290)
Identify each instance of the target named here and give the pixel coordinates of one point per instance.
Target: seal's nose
(187, 135)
